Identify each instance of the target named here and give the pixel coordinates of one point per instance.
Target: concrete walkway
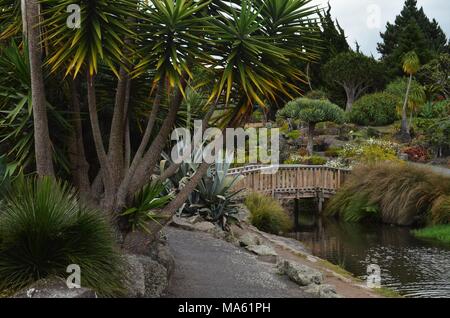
(206, 267)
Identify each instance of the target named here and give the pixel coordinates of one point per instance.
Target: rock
(262, 250)
(323, 291)
(403, 156)
(54, 288)
(299, 273)
(145, 278)
(243, 214)
(181, 223)
(249, 239)
(204, 227)
(194, 219)
(161, 253)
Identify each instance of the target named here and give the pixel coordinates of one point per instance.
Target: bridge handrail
(254, 168)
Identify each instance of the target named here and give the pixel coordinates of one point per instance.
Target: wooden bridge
(291, 181)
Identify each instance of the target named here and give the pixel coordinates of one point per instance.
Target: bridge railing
(290, 179)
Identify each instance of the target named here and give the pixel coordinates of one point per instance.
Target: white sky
(363, 20)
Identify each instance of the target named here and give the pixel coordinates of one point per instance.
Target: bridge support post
(320, 201)
(296, 213)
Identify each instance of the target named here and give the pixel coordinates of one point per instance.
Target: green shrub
(44, 228)
(395, 193)
(306, 160)
(293, 135)
(332, 152)
(435, 110)
(267, 214)
(378, 109)
(370, 151)
(316, 94)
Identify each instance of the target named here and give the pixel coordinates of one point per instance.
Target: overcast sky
(363, 20)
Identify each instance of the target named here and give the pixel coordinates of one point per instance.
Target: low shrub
(267, 214)
(378, 109)
(44, 228)
(395, 194)
(417, 154)
(306, 160)
(435, 110)
(293, 135)
(333, 152)
(370, 151)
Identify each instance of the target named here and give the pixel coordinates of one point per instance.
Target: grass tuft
(267, 214)
(44, 229)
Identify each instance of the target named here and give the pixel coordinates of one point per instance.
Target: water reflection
(412, 267)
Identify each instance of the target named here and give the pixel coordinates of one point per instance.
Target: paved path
(206, 267)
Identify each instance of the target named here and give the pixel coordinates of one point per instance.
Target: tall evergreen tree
(412, 31)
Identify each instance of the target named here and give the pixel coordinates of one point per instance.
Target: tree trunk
(311, 129)
(350, 92)
(42, 143)
(80, 166)
(404, 130)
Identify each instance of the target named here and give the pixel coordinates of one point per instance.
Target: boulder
(204, 227)
(249, 239)
(323, 291)
(160, 252)
(299, 273)
(145, 278)
(54, 288)
(182, 223)
(261, 250)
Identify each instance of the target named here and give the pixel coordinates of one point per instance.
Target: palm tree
(246, 48)
(411, 65)
(32, 34)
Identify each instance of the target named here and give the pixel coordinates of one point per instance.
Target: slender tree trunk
(80, 166)
(109, 192)
(42, 142)
(404, 130)
(311, 129)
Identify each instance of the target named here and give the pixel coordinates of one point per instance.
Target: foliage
(16, 122)
(312, 111)
(435, 76)
(44, 228)
(378, 109)
(305, 160)
(294, 135)
(217, 198)
(332, 152)
(267, 214)
(417, 153)
(144, 205)
(416, 97)
(438, 134)
(412, 31)
(439, 233)
(354, 72)
(370, 151)
(316, 94)
(400, 193)
(435, 110)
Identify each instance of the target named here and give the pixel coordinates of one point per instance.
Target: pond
(412, 267)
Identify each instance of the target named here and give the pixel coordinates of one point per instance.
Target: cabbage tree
(312, 112)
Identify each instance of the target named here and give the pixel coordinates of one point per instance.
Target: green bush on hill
(378, 109)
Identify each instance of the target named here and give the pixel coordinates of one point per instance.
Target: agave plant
(216, 194)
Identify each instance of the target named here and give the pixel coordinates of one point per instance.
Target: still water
(413, 267)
